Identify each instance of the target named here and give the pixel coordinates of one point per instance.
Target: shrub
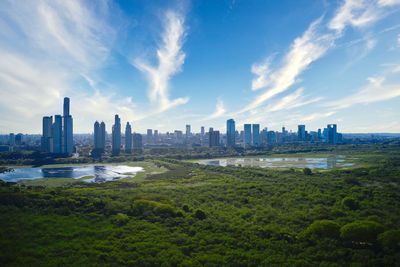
(390, 239)
(199, 214)
(350, 203)
(121, 219)
(361, 231)
(307, 171)
(323, 228)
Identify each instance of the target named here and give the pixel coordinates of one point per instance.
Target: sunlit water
(99, 173)
(281, 162)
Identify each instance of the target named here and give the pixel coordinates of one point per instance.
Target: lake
(100, 173)
(282, 162)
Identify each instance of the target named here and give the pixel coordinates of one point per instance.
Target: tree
(361, 231)
(390, 239)
(323, 228)
(199, 214)
(350, 203)
(307, 171)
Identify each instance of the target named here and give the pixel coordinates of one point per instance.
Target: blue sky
(164, 64)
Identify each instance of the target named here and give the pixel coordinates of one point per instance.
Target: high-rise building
(230, 133)
(332, 134)
(97, 136)
(128, 138)
(102, 136)
(149, 136)
(11, 139)
(213, 138)
(47, 133)
(137, 143)
(188, 131)
(116, 136)
(18, 139)
(68, 136)
(256, 135)
(57, 134)
(301, 133)
(202, 131)
(247, 135)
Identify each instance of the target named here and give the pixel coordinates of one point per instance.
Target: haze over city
(164, 64)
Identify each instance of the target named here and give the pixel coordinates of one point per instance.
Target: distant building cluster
(58, 138)
(57, 134)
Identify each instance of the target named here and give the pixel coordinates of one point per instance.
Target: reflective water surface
(98, 173)
(282, 162)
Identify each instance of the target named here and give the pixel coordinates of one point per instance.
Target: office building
(149, 136)
(213, 138)
(18, 139)
(99, 137)
(301, 133)
(102, 136)
(247, 136)
(332, 134)
(188, 129)
(57, 133)
(128, 138)
(116, 136)
(47, 134)
(256, 142)
(137, 143)
(68, 135)
(230, 133)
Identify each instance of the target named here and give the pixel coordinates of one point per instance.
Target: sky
(164, 64)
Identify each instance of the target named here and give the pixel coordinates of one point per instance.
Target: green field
(179, 213)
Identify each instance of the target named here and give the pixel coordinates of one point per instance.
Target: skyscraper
(102, 136)
(256, 135)
(128, 138)
(57, 134)
(301, 132)
(230, 133)
(188, 131)
(97, 138)
(137, 143)
(213, 139)
(68, 136)
(202, 131)
(116, 136)
(247, 135)
(47, 133)
(332, 134)
(149, 136)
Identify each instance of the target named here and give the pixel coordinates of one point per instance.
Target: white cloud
(47, 48)
(304, 50)
(375, 91)
(218, 112)
(170, 60)
(291, 101)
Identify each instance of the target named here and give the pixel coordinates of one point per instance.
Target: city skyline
(166, 64)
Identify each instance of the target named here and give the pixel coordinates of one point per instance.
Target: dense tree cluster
(195, 215)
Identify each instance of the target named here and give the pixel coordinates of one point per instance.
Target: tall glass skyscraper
(47, 134)
(256, 135)
(68, 135)
(57, 134)
(301, 132)
(230, 133)
(128, 138)
(247, 135)
(116, 136)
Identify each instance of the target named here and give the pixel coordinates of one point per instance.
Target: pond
(282, 162)
(100, 173)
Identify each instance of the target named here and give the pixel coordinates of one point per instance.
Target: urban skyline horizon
(222, 130)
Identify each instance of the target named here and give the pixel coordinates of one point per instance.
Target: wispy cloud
(47, 47)
(291, 101)
(315, 42)
(218, 112)
(170, 58)
(304, 50)
(375, 91)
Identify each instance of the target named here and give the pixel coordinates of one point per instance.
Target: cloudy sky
(164, 64)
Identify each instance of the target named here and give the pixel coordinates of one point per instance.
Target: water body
(282, 162)
(99, 173)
